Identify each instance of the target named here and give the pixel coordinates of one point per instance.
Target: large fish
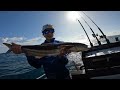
(49, 49)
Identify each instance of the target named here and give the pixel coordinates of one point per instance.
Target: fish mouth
(8, 45)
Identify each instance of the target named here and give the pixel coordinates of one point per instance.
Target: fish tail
(9, 46)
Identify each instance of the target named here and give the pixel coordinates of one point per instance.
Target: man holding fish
(54, 66)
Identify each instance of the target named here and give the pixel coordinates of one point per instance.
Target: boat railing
(43, 76)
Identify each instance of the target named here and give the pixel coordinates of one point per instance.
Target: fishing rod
(108, 42)
(92, 31)
(85, 33)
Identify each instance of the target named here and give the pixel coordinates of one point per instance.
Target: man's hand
(65, 49)
(38, 57)
(16, 48)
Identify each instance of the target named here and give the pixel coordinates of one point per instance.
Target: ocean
(14, 66)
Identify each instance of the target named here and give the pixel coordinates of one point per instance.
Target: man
(54, 66)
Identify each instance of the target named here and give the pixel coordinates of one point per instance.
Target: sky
(24, 27)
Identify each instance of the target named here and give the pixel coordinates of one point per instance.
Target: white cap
(47, 26)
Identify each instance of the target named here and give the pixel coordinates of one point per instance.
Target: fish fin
(8, 51)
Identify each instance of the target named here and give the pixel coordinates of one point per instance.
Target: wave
(13, 66)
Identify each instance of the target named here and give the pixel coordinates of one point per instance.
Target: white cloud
(13, 39)
(113, 33)
(79, 39)
(3, 48)
(19, 40)
(4, 39)
(33, 41)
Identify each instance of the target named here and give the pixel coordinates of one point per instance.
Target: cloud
(78, 39)
(13, 39)
(4, 39)
(33, 41)
(19, 40)
(113, 33)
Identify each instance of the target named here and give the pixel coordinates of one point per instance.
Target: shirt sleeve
(62, 59)
(35, 62)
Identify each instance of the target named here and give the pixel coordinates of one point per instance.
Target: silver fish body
(50, 49)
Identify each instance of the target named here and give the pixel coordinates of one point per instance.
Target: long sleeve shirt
(54, 66)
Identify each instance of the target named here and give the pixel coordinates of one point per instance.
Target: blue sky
(24, 27)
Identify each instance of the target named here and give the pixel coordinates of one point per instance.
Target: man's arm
(62, 59)
(62, 56)
(34, 61)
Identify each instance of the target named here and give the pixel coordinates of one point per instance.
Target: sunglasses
(48, 31)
